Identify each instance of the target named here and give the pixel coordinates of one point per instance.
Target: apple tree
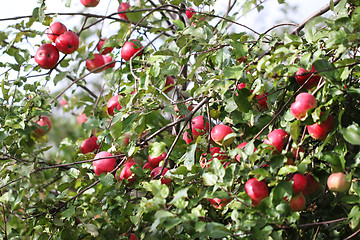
(181, 124)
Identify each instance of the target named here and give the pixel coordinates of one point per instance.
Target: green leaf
(107, 179)
(295, 130)
(352, 134)
(287, 169)
(68, 212)
(233, 72)
(92, 229)
(209, 179)
(230, 105)
(179, 24)
(60, 76)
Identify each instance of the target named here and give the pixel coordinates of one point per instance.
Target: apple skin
(95, 62)
(297, 202)
(104, 165)
(187, 138)
(190, 12)
(299, 183)
(106, 50)
(277, 138)
(257, 190)
(154, 161)
(147, 165)
(156, 172)
(320, 131)
(219, 132)
(301, 77)
(312, 185)
(303, 103)
(121, 8)
(130, 48)
(169, 81)
(113, 104)
(215, 153)
(47, 56)
(262, 101)
(336, 183)
(55, 30)
(241, 145)
(67, 43)
(90, 3)
(199, 126)
(219, 203)
(108, 59)
(89, 145)
(63, 102)
(126, 172)
(44, 122)
(81, 118)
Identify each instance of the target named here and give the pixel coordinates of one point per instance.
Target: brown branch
(321, 223)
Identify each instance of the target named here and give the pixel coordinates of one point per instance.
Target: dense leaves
(243, 79)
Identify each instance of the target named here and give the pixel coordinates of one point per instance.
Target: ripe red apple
(156, 172)
(108, 59)
(199, 126)
(121, 8)
(95, 62)
(299, 183)
(113, 104)
(218, 134)
(63, 102)
(303, 103)
(67, 43)
(190, 12)
(187, 137)
(277, 138)
(169, 81)
(47, 56)
(215, 153)
(241, 145)
(147, 165)
(45, 125)
(155, 160)
(130, 48)
(336, 182)
(312, 185)
(257, 190)
(126, 172)
(297, 202)
(55, 30)
(81, 118)
(105, 50)
(104, 165)
(302, 75)
(219, 203)
(89, 145)
(90, 3)
(131, 236)
(241, 86)
(320, 131)
(262, 101)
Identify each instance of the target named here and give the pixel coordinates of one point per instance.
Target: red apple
(67, 43)
(133, 237)
(176, 109)
(257, 190)
(241, 86)
(105, 50)
(190, 12)
(113, 104)
(47, 56)
(302, 75)
(81, 118)
(95, 62)
(121, 8)
(297, 202)
(130, 48)
(147, 165)
(320, 131)
(187, 137)
(89, 145)
(126, 172)
(312, 185)
(155, 160)
(63, 102)
(168, 84)
(55, 30)
(299, 183)
(241, 145)
(104, 165)
(108, 59)
(262, 101)
(277, 138)
(218, 134)
(215, 153)
(156, 172)
(336, 182)
(219, 203)
(303, 103)
(90, 3)
(45, 125)
(199, 126)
